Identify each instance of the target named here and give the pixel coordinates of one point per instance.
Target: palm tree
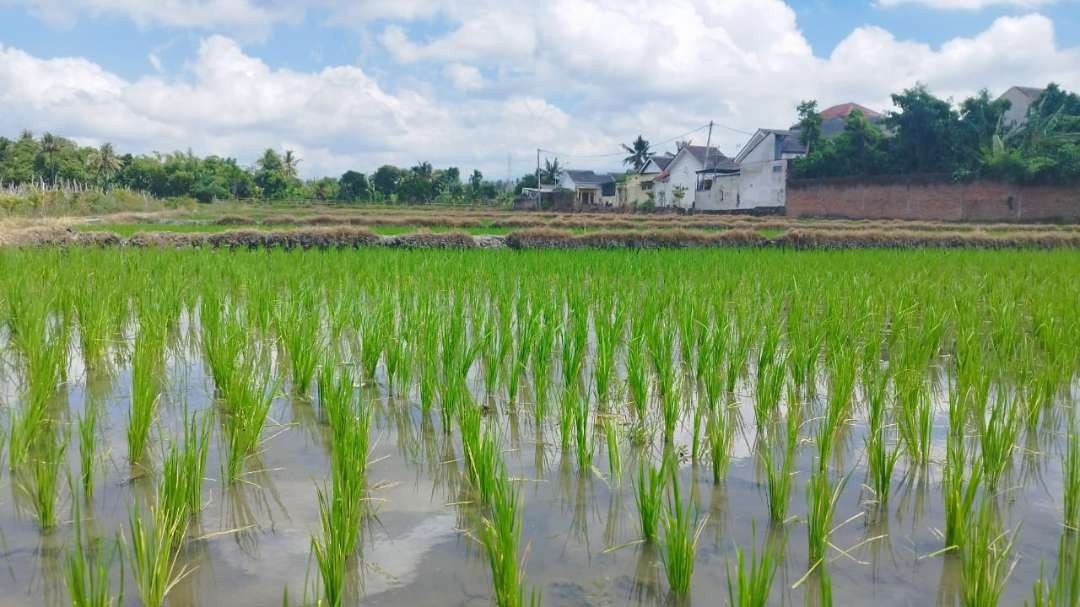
(50, 147)
(551, 170)
(639, 153)
(290, 162)
(105, 163)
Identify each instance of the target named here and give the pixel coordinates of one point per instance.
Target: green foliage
(60, 163)
(928, 135)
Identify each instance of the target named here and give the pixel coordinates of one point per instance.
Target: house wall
(931, 199)
(630, 192)
(1018, 111)
(724, 195)
(682, 172)
(762, 183)
(763, 178)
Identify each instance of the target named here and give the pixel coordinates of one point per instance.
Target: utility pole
(538, 199)
(708, 148)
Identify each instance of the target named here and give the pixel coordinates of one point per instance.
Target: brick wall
(930, 198)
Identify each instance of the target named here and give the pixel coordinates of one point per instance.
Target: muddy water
(252, 541)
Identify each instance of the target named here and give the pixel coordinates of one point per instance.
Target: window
(777, 168)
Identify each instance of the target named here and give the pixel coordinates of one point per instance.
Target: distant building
(1021, 98)
(635, 188)
(718, 186)
(675, 186)
(590, 188)
(763, 167)
(832, 118)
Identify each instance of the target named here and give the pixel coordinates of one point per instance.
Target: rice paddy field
(539, 427)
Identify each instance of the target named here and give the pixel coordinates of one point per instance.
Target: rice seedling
(671, 407)
(543, 350)
(1000, 427)
(986, 559)
(821, 498)
(330, 550)
(575, 336)
(720, 433)
(649, 497)
(179, 494)
(584, 440)
(778, 477)
(246, 398)
(500, 534)
(87, 566)
(767, 392)
(297, 322)
(681, 533)
(637, 381)
(43, 487)
(614, 453)
(958, 493)
(750, 584)
(146, 368)
(526, 329)
(43, 346)
(88, 427)
(1071, 483)
(609, 328)
(914, 416)
(153, 551)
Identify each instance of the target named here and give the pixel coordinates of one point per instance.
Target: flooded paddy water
(887, 427)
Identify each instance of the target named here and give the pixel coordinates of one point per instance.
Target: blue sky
(353, 85)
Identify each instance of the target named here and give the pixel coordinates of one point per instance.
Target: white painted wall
(723, 196)
(762, 184)
(1020, 104)
(681, 172)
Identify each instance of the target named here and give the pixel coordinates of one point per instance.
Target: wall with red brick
(930, 198)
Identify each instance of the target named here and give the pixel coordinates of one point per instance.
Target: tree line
(972, 140)
(54, 161)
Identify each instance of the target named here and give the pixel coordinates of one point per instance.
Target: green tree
(809, 124)
(271, 176)
(638, 152)
(926, 132)
(476, 181)
(353, 186)
(385, 180)
(104, 164)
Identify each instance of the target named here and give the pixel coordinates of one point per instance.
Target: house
(590, 188)
(833, 118)
(635, 189)
(718, 186)
(676, 184)
(1021, 98)
(763, 167)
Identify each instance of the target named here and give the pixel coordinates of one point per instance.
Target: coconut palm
(290, 164)
(51, 145)
(104, 163)
(639, 153)
(551, 170)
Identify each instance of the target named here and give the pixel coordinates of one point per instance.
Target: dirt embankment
(544, 238)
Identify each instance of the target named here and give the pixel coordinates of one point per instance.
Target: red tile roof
(842, 110)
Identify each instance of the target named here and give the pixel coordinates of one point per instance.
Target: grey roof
(662, 160)
(720, 164)
(1032, 92)
(589, 178)
(699, 152)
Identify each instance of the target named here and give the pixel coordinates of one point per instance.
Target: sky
(482, 84)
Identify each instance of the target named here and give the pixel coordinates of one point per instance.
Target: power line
(652, 146)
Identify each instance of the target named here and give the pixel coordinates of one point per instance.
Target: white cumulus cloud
(576, 76)
(966, 5)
